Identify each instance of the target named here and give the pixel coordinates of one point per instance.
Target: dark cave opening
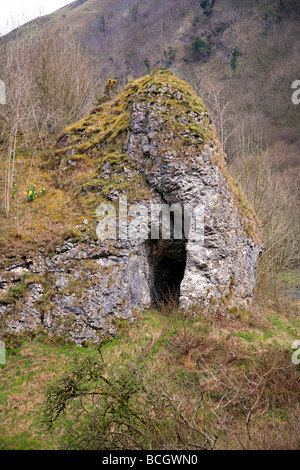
(168, 259)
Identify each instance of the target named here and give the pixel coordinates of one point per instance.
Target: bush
(170, 53)
(201, 47)
(207, 6)
(147, 64)
(234, 57)
(120, 408)
(227, 395)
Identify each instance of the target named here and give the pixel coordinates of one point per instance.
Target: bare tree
(102, 24)
(134, 11)
(219, 105)
(50, 83)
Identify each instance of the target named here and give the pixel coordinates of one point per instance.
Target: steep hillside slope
(247, 49)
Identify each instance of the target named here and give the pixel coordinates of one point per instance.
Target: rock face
(170, 156)
(224, 267)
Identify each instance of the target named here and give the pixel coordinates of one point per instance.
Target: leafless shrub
(134, 11)
(275, 206)
(229, 402)
(50, 83)
(219, 105)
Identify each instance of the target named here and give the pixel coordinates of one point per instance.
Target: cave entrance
(168, 259)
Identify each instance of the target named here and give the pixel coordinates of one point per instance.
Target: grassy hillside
(238, 375)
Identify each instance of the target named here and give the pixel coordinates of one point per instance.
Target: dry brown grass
(40, 223)
(252, 392)
(229, 380)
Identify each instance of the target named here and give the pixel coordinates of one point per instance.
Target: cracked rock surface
(85, 287)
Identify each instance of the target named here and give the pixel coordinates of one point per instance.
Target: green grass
(171, 348)
(290, 280)
(23, 379)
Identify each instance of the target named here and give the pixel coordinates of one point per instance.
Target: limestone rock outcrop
(166, 153)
